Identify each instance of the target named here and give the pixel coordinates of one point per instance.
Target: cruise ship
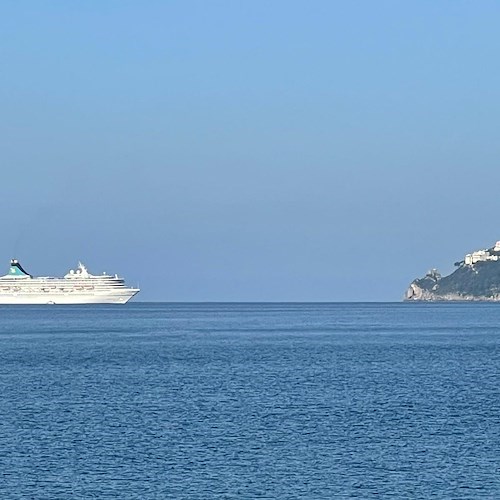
(77, 287)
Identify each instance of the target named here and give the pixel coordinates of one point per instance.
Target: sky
(249, 150)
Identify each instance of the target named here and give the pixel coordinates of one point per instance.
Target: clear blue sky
(250, 150)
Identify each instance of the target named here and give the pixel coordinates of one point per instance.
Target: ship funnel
(16, 269)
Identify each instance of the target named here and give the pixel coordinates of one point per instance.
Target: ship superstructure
(76, 287)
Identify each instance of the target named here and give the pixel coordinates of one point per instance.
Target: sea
(250, 401)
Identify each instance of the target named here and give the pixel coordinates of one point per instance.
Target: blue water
(250, 401)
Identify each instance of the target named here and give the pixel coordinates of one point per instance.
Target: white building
(481, 255)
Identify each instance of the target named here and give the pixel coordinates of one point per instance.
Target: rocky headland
(477, 278)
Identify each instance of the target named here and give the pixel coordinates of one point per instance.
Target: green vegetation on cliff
(481, 280)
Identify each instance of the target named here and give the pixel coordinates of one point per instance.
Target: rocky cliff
(471, 281)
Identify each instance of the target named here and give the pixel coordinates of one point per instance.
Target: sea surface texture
(250, 401)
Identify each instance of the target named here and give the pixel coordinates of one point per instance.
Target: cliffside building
(482, 255)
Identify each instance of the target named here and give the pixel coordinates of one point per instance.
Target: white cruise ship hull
(71, 298)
